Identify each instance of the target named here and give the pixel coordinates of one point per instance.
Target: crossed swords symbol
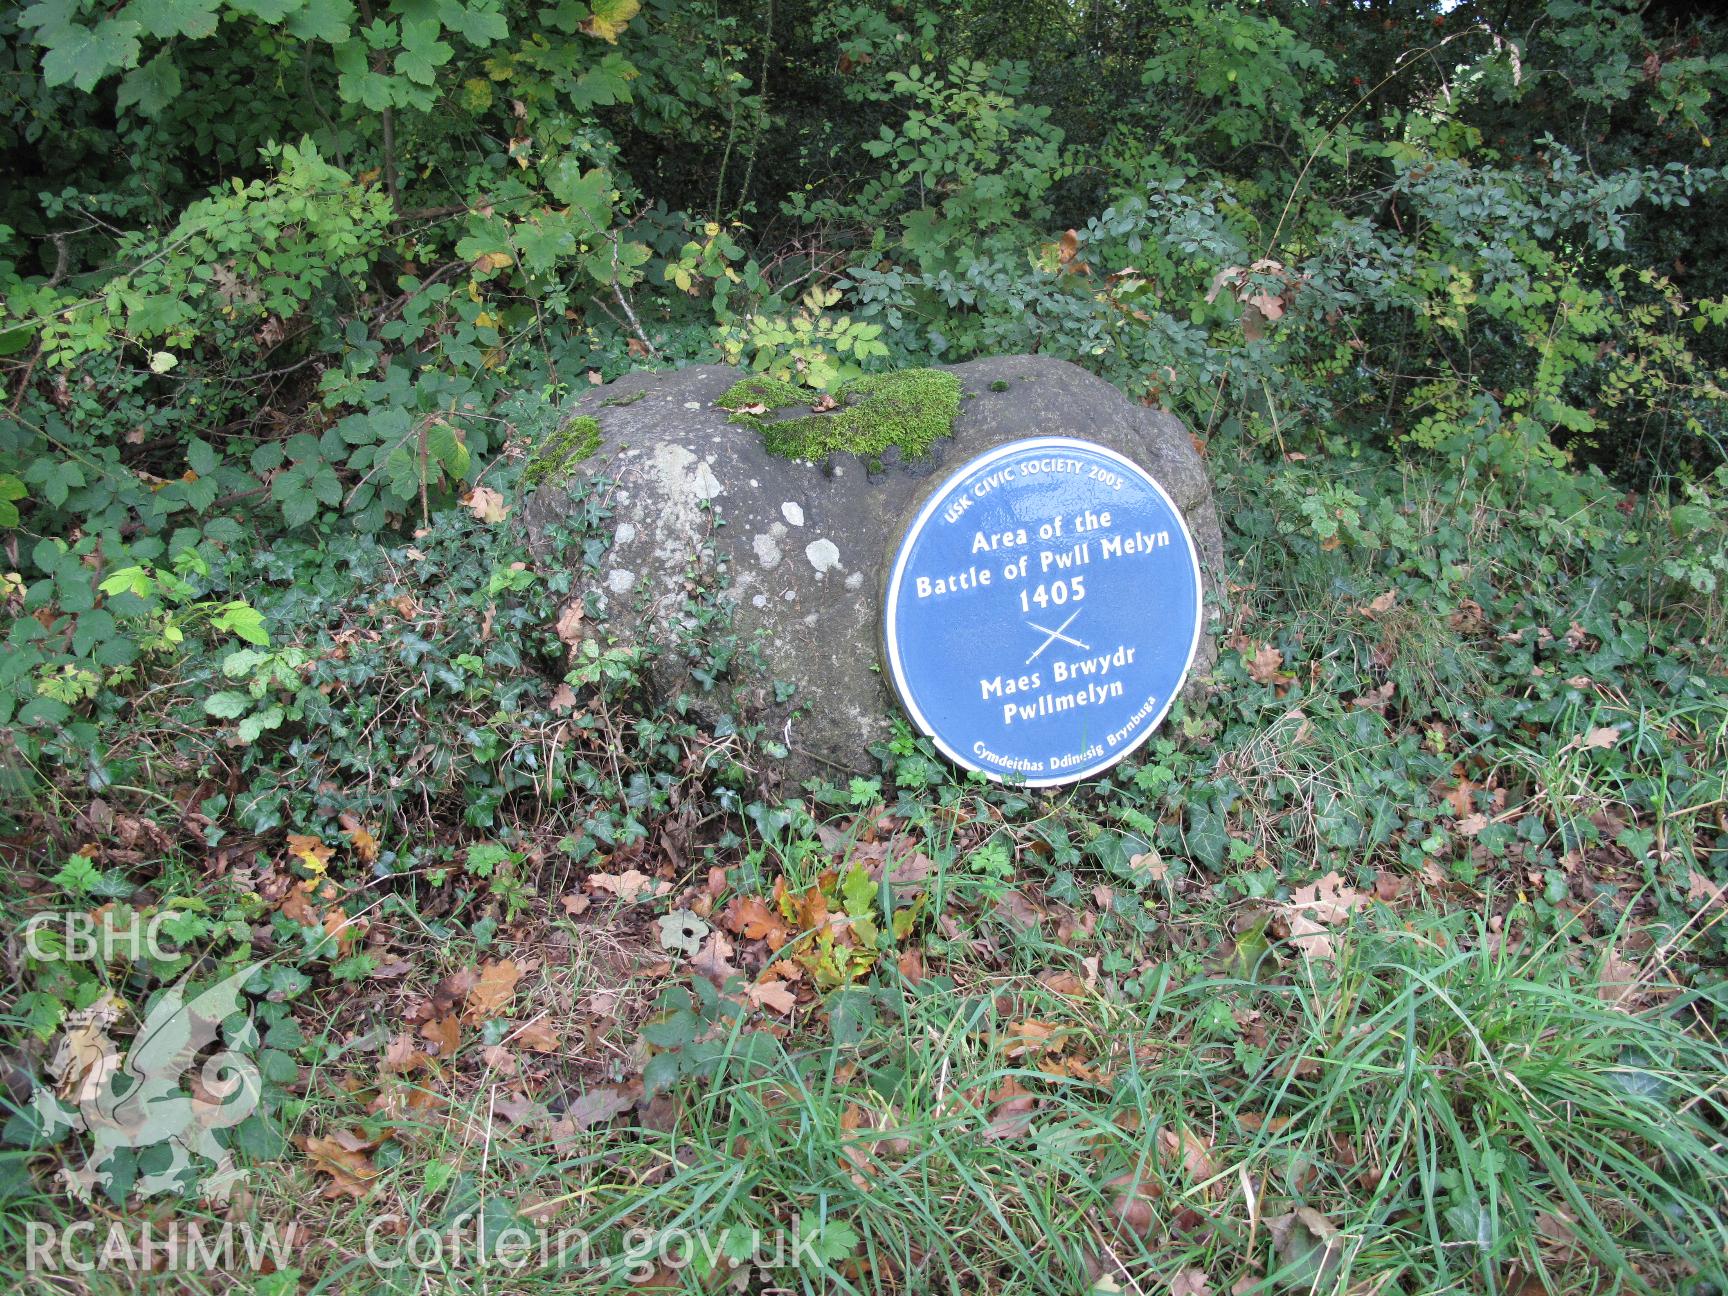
(1051, 636)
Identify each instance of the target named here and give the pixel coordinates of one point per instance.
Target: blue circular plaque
(1042, 611)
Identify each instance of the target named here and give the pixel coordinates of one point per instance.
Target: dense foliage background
(290, 290)
(280, 266)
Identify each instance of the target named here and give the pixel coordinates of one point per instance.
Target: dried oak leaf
(1011, 1112)
(350, 1169)
(568, 627)
(714, 960)
(597, 1105)
(1266, 666)
(402, 1055)
(1192, 1150)
(486, 504)
(1702, 890)
(312, 853)
(628, 886)
(492, 992)
(442, 1033)
(751, 918)
(1312, 908)
(536, 1037)
(772, 994)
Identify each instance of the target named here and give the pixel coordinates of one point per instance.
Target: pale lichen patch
(824, 555)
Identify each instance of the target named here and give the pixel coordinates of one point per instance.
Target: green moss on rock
(559, 454)
(770, 393)
(909, 409)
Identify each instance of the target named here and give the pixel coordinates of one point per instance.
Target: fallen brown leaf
(492, 992)
(537, 1037)
(569, 624)
(1266, 666)
(1194, 1153)
(772, 994)
(629, 886)
(443, 1033)
(486, 504)
(597, 1105)
(1380, 605)
(751, 918)
(359, 837)
(351, 1171)
(401, 1055)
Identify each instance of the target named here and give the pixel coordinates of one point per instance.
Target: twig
(618, 292)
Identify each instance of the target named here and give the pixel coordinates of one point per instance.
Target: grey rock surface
(799, 550)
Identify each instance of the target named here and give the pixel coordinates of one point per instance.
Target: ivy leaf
(152, 87)
(84, 55)
(607, 18)
(166, 19)
(422, 53)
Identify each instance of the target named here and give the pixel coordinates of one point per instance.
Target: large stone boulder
(797, 548)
